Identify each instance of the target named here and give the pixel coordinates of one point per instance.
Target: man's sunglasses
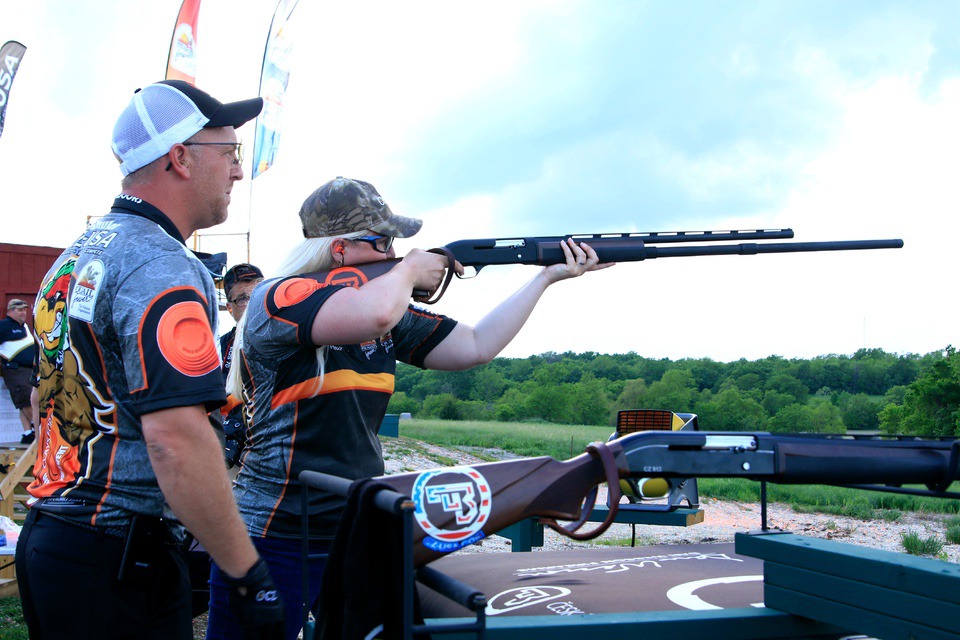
(237, 150)
(379, 243)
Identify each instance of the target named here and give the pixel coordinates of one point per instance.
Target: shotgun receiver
(457, 506)
(610, 247)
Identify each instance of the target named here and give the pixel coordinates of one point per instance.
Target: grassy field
(527, 439)
(12, 626)
(565, 441)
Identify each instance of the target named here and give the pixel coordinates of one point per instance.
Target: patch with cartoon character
(71, 409)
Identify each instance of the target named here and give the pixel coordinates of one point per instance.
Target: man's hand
(257, 604)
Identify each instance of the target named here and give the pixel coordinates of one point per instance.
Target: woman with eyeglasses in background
(315, 367)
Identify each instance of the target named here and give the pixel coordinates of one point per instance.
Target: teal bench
(723, 624)
(879, 593)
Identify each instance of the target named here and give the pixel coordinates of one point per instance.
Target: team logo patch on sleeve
(295, 290)
(451, 506)
(186, 341)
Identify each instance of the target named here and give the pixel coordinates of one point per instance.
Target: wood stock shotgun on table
(474, 255)
(457, 506)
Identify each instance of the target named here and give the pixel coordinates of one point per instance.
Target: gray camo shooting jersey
(125, 323)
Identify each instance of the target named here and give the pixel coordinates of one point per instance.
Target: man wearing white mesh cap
(128, 371)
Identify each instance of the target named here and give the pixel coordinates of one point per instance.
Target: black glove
(231, 452)
(260, 609)
(234, 441)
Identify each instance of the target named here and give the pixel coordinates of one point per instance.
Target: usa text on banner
(11, 53)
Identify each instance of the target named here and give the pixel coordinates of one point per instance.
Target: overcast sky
(839, 120)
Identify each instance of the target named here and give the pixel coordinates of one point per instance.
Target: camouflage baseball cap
(346, 206)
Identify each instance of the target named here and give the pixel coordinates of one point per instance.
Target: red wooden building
(22, 267)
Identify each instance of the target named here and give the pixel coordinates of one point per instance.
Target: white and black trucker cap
(167, 113)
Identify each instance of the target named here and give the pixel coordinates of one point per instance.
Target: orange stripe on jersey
(299, 391)
(333, 382)
(186, 340)
(346, 380)
(294, 290)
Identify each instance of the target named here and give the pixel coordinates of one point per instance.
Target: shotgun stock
(457, 506)
(610, 247)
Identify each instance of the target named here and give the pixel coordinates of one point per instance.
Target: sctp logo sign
(451, 506)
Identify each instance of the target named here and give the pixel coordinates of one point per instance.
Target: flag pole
(250, 213)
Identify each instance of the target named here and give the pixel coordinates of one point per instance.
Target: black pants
(19, 384)
(69, 589)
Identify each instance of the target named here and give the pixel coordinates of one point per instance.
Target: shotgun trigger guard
(424, 296)
(602, 451)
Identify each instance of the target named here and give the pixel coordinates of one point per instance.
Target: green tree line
(869, 390)
(930, 406)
